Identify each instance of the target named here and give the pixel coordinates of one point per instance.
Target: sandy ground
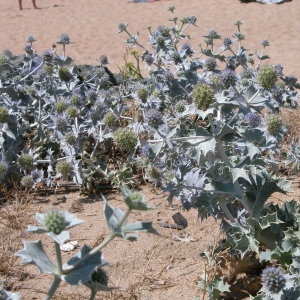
(93, 26)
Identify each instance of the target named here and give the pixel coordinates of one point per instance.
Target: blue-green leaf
(33, 253)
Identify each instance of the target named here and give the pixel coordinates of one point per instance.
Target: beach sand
(93, 26)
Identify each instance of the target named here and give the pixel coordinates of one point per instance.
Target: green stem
(58, 258)
(93, 294)
(99, 247)
(184, 138)
(227, 212)
(53, 287)
(33, 71)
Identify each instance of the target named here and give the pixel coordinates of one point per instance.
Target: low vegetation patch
(204, 125)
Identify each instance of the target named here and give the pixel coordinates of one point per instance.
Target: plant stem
(99, 247)
(53, 287)
(227, 212)
(33, 71)
(93, 294)
(184, 138)
(58, 258)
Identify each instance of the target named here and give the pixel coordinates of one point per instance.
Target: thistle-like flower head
(26, 161)
(273, 279)
(125, 138)
(227, 42)
(27, 181)
(64, 39)
(4, 114)
(134, 200)
(110, 119)
(122, 27)
(154, 118)
(252, 119)
(7, 53)
(228, 77)
(187, 49)
(267, 77)
(55, 223)
(64, 168)
(31, 39)
(274, 124)
(203, 96)
(103, 59)
(210, 64)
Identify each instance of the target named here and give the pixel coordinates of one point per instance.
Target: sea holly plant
(211, 137)
(86, 266)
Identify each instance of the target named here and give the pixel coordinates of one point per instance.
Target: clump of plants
(219, 152)
(203, 125)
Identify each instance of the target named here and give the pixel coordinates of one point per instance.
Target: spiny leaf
(33, 253)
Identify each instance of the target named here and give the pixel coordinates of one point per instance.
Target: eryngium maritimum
(273, 279)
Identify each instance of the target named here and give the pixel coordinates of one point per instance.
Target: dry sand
(93, 26)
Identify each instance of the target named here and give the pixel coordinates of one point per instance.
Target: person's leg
(20, 4)
(34, 4)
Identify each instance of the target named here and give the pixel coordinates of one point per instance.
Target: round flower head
(72, 112)
(187, 49)
(122, 27)
(148, 58)
(273, 279)
(70, 138)
(267, 77)
(61, 106)
(3, 114)
(210, 64)
(145, 150)
(61, 124)
(64, 74)
(227, 42)
(100, 276)
(64, 168)
(181, 106)
(47, 56)
(265, 43)
(91, 96)
(134, 200)
(252, 119)
(111, 119)
(228, 77)
(212, 35)
(103, 59)
(55, 223)
(31, 39)
(77, 100)
(203, 96)
(142, 93)
(99, 280)
(7, 53)
(25, 161)
(125, 138)
(274, 124)
(176, 57)
(230, 63)
(64, 39)
(27, 181)
(154, 118)
(189, 20)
